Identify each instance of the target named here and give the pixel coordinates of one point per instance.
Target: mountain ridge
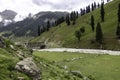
(29, 25)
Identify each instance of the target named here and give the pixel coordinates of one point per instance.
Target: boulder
(28, 67)
(77, 73)
(80, 75)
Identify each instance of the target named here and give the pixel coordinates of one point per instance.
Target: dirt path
(91, 51)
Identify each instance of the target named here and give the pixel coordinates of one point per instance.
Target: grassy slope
(8, 60)
(99, 67)
(7, 64)
(63, 35)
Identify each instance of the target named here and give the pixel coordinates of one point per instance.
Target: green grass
(7, 66)
(8, 60)
(63, 36)
(98, 67)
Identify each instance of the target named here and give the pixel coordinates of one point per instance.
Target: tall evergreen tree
(82, 11)
(92, 23)
(88, 9)
(78, 35)
(118, 31)
(77, 14)
(119, 13)
(68, 19)
(99, 34)
(82, 29)
(44, 28)
(98, 5)
(92, 7)
(108, 0)
(74, 17)
(102, 12)
(48, 25)
(71, 16)
(95, 6)
(39, 31)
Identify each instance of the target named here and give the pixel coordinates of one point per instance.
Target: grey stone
(28, 67)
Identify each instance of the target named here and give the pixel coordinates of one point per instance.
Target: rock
(77, 73)
(12, 47)
(80, 75)
(20, 54)
(21, 78)
(65, 67)
(28, 67)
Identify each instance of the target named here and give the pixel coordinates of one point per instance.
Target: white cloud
(24, 7)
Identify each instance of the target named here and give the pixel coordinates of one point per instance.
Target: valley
(61, 45)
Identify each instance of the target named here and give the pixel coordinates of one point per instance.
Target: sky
(24, 7)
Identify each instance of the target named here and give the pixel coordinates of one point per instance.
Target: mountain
(64, 36)
(29, 26)
(7, 17)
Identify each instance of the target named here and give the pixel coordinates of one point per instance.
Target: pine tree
(102, 12)
(82, 29)
(108, 0)
(95, 6)
(88, 9)
(78, 35)
(98, 5)
(68, 20)
(92, 22)
(92, 6)
(74, 17)
(77, 14)
(48, 25)
(82, 11)
(119, 13)
(118, 31)
(44, 28)
(39, 31)
(99, 34)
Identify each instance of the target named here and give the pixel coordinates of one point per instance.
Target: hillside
(63, 35)
(7, 64)
(15, 61)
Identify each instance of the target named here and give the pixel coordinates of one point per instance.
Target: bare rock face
(28, 67)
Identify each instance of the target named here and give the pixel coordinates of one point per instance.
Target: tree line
(49, 24)
(71, 18)
(99, 33)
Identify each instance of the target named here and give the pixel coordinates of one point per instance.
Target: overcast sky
(24, 7)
